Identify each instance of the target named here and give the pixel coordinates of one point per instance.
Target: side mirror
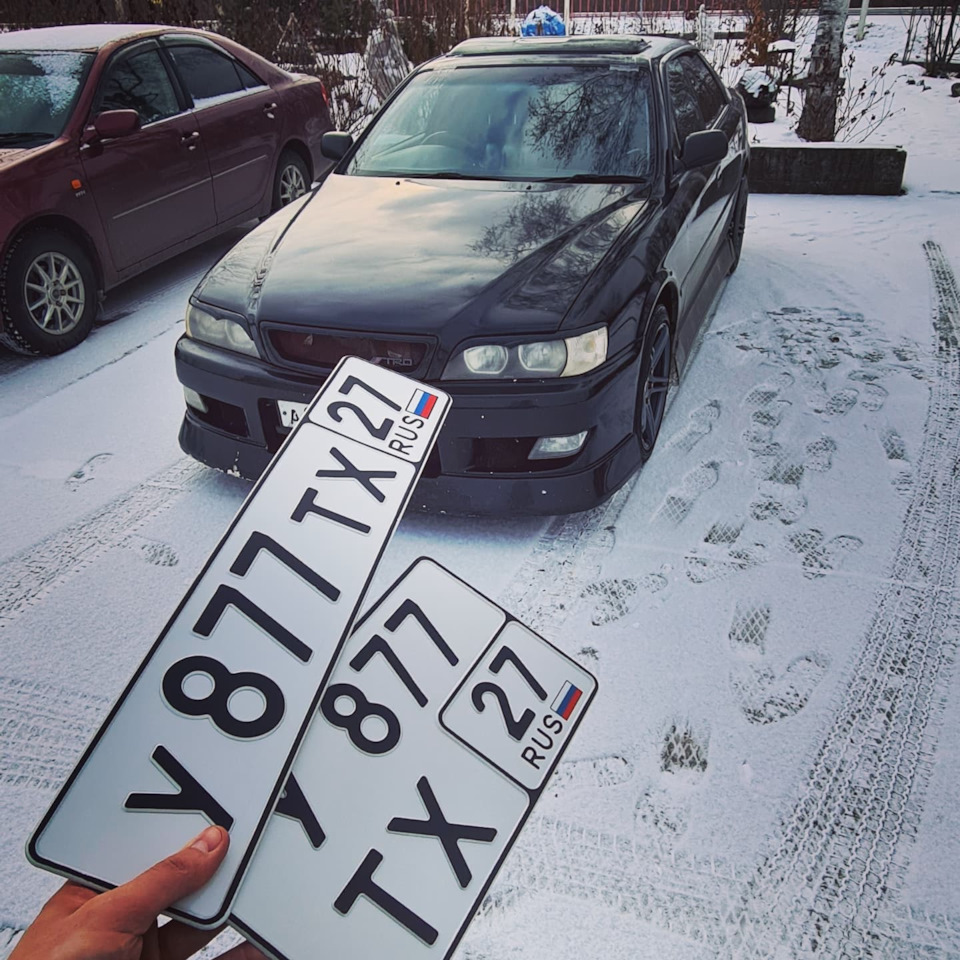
(334, 145)
(116, 123)
(703, 148)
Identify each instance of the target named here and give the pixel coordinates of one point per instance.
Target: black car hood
(386, 254)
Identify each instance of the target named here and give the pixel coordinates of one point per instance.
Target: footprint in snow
(701, 423)
(893, 444)
(766, 697)
(88, 471)
(748, 629)
(821, 556)
(874, 397)
(819, 454)
(841, 403)
(777, 501)
(679, 501)
(153, 551)
(613, 596)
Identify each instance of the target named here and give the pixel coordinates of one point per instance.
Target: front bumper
(480, 463)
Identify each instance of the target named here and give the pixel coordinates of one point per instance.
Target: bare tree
(823, 84)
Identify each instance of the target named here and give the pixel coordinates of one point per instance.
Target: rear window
(37, 94)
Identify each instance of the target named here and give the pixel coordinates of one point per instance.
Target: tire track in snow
(845, 844)
(843, 847)
(28, 576)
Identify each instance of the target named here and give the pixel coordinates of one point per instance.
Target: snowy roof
(85, 36)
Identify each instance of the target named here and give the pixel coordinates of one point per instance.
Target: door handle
(268, 110)
(189, 140)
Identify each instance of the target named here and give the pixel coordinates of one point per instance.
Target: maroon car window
(250, 79)
(205, 73)
(687, 118)
(139, 82)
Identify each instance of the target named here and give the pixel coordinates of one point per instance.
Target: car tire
(738, 224)
(654, 379)
(48, 293)
(292, 179)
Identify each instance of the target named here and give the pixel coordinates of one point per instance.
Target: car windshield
(37, 92)
(522, 122)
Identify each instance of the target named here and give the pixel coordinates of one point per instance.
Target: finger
(68, 899)
(133, 906)
(177, 941)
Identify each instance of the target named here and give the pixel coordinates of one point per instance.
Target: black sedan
(539, 226)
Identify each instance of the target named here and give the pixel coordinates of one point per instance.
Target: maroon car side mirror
(116, 123)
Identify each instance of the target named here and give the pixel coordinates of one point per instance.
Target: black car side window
(704, 84)
(205, 73)
(139, 82)
(687, 117)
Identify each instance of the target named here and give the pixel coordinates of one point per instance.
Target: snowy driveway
(771, 606)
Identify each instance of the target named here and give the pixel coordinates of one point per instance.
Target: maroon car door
(239, 121)
(152, 188)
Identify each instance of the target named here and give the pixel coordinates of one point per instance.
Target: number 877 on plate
(439, 727)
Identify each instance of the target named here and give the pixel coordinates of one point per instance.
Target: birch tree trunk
(823, 85)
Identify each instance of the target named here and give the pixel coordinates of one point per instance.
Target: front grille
(325, 349)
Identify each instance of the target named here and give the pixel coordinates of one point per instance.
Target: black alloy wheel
(738, 224)
(654, 380)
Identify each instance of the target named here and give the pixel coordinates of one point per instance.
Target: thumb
(133, 907)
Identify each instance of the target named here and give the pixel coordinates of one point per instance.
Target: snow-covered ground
(771, 606)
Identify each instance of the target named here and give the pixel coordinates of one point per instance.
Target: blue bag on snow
(543, 22)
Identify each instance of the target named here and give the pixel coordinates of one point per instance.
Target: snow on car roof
(82, 36)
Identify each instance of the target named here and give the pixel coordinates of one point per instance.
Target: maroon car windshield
(37, 93)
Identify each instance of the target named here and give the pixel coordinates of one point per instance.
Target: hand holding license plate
(208, 726)
(438, 728)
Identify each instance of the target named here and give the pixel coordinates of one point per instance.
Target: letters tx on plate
(436, 733)
(208, 726)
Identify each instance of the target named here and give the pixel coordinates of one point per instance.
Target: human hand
(121, 924)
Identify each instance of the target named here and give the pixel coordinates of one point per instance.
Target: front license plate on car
(291, 413)
(441, 723)
(207, 728)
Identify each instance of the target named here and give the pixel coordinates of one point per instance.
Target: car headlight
(543, 358)
(219, 331)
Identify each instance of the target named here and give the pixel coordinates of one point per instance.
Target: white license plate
(207, 728)
(436, 733)
(291, 413)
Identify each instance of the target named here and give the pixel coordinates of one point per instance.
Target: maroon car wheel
(292, 180)
(48, 294)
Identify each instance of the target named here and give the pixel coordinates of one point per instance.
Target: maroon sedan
(123, 145)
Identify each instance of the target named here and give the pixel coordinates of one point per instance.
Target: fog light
(547, 447)
(195, 400)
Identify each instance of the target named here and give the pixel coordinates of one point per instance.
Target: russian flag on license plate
(422, 403)
(567, 700)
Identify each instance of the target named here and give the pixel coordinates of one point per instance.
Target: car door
(238, 116)
(696, 194)
(152, 188)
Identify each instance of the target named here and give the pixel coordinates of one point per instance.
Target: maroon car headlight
(219, 331)
(527, 361)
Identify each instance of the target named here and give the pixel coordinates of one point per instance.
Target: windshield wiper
(446, 175)
(593, 178)
(25, 135)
